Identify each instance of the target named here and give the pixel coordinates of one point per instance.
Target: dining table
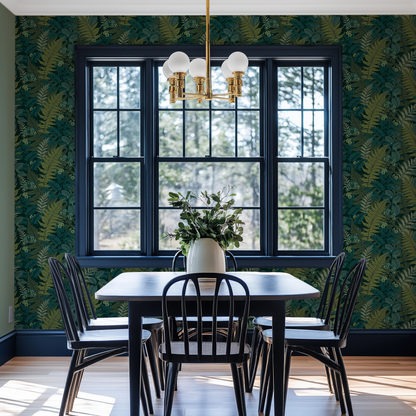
(269, 292)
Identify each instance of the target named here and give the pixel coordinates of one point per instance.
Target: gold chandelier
(178, 63)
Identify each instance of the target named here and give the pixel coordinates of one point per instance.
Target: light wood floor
(379, 386)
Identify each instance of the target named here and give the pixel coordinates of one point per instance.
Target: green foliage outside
(379, 146)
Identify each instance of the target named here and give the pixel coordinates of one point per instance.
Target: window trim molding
(280, 53)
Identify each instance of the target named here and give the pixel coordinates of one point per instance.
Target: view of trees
(215, 130)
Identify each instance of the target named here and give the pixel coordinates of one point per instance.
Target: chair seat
(178, 350)
(292, 322)
(122, 323)
(309, 338)
(112, 338)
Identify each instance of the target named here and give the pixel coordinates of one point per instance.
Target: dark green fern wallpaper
(379, 69)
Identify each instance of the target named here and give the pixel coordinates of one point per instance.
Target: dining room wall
(379, 145)
(6, 169)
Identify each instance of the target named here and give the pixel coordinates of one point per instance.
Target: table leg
(278, 355)
(135, 356)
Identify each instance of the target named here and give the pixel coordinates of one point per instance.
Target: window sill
(163, 262)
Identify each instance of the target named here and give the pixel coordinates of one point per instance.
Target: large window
(279, 146)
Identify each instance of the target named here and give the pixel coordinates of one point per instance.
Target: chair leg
(269, 396)
(328, 373)
(246, 377)
(242, 383)
(267, 359)
(337, 382)
(161, 363)
(143, 399)
(153, 365)
(256, 345)
(237, 389)
(69, 382)
(173, 369)
(344, 379)
(145, 380)
(76, 383)
(288, 360)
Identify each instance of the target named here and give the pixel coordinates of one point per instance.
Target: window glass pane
(289, 87)
(289, 133)
(130, 133)
(223, 133)
(197, 133)
(129, 87)
(170, 133)
(168, 221)
(219, 86)
(313, 133)
(105, 87)
(251, 233)
(190, 86)
(313, 88)
(211, 177)
(105, 133)
(251, 89)
(301, 229)
(116, 184)
(248, 133)
(164, 96)
(301, 184)
(116, 229)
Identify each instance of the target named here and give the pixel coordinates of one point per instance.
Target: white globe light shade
(198, 68)
(237, 61)
(179, 62)
(225, 70)
(167, 72)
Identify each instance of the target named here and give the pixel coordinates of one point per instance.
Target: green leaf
(49, 166)
(373, 112)
(50, 111)
(49, 220)
(169, 33)
(250, 32)
(49, 58)
(373, 57)
(376, 320)
(332, 33)
(373, 165)
(89, 32)
(53, 320)
(373, 219)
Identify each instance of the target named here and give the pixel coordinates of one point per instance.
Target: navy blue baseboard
(52, 343)
(7, 347)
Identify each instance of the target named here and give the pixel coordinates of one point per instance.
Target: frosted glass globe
(237, 61)
(225, 70)
(179, 62)
(197, 68)
(167, 72)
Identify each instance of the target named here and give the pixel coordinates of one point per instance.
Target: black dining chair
(235, 298)
(321, 321)
(111, 342)
(90, 321)
(330, 343)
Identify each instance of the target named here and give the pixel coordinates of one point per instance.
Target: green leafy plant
(217, 219)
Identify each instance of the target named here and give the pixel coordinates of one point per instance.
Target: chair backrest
(347, 297)
(331, 284)
(179, 253)
(190, 300)
(82, 295)
(58, 270)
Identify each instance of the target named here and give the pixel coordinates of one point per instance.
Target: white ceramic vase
(205, 255)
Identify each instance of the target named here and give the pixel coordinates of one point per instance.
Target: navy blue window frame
(150, 58)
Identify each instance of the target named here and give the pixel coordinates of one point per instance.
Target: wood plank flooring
(380, 386)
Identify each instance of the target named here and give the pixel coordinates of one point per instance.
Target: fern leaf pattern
(378, 143)
(50, 57)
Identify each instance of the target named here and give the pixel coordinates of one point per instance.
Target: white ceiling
(218, 7)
